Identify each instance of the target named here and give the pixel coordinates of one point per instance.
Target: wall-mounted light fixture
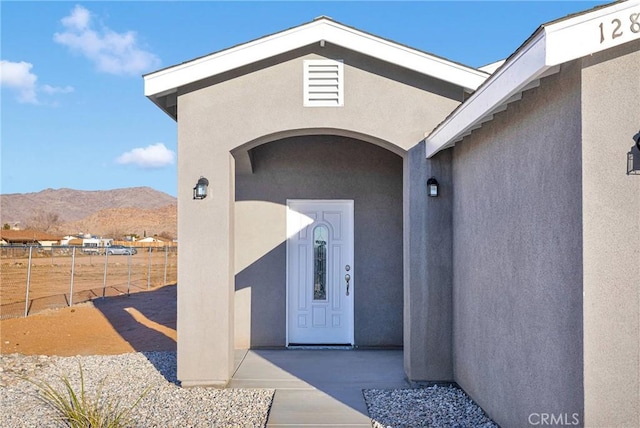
(633, 157)
(432, 187)
(200, 191)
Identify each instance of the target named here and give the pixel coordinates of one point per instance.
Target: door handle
(347, 277)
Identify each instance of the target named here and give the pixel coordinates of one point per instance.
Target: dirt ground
(50, 276)
(144, 321)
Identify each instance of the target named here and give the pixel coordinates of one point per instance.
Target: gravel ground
(125, 377)
(435, 406)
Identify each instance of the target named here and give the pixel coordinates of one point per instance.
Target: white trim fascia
(491, 68)
(554, 44)
(350, 38)
(581, 35)
(169, 79)
(510, 79)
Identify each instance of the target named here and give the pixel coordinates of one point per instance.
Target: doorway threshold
(297, 346)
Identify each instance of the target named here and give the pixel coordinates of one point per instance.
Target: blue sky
(73, 113)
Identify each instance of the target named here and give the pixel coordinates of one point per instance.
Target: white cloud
(111, 52)
(78, 20)
(48, 89)
(18, 76)
(152, 156)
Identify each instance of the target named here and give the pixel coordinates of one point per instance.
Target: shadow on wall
(254, 321)
(319, 167)
(269, 226)
(266, 255)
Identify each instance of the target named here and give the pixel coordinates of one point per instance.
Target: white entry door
(320, 272)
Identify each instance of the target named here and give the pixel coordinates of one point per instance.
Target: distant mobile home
(90, 244)
(335, 187)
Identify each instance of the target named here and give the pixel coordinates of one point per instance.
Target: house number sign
(617, 27)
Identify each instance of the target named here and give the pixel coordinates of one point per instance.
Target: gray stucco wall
(325, 167)
(428, 268)
(237, 111)
(517, 293)
(610, 119)
(381, 100)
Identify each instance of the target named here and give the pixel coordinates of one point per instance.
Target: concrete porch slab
(319, 387)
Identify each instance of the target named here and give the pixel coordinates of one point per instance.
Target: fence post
(26, 299)
(149, 271)
(129, 275)
(166, 255)
(104, 281)
(73, 268)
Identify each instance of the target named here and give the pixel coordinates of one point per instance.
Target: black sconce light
(432, 187)
(633, 159)
(200, 191)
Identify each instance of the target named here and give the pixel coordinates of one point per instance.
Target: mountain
(116, 222)
(71, 205)
(130, 210)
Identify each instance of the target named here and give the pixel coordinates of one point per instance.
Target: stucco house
(361, 192)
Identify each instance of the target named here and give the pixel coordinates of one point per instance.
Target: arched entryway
(321, 168)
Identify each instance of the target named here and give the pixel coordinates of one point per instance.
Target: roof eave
(553, 44)
(159, 100)
(512, 77)
(323, 29)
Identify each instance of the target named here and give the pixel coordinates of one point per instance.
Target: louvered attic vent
(323, 83)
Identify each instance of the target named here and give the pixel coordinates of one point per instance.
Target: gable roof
(20, 236)
(160, 85)
(551, 45)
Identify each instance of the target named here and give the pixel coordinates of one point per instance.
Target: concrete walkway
(318, 388)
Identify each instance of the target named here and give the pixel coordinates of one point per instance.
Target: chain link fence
(35, 278)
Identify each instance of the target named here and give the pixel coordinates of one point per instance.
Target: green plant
(79, 409)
